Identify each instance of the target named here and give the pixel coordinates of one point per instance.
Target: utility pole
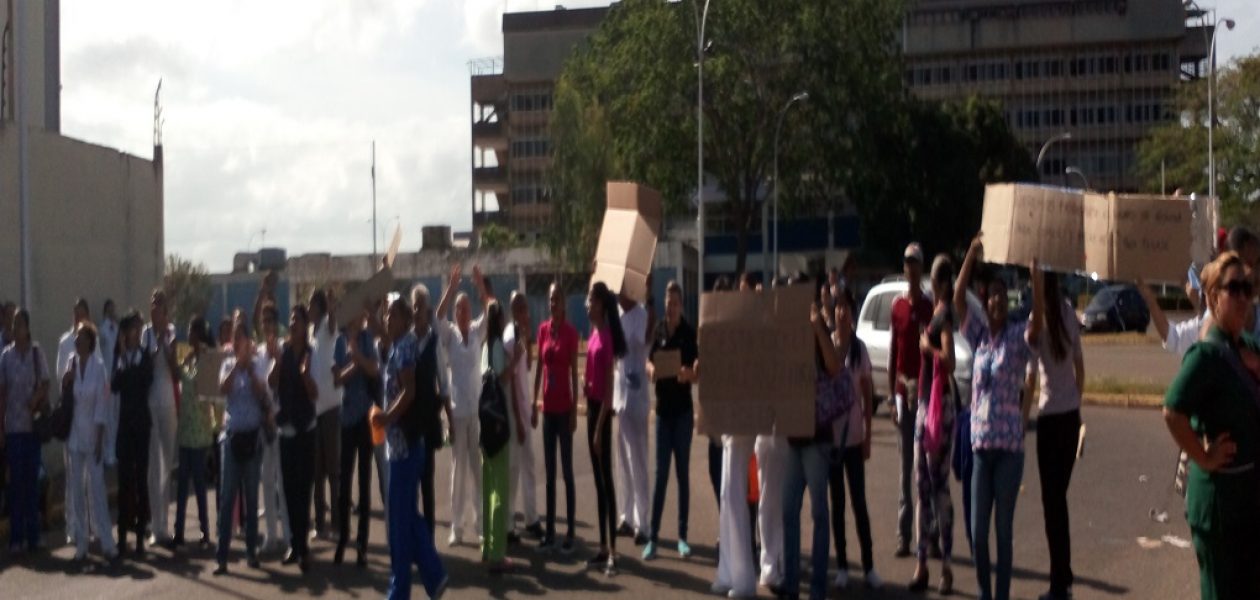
(21, 113)
(374, 202)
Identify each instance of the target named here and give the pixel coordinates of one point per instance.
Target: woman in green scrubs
(1212, 412)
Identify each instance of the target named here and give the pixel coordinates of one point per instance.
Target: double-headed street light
(799, 97)
(1079, 172)
(1062, 137)
(1229, 24)
(701, 19)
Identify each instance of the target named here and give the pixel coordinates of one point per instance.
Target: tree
(1174, 155)
(495, 237)
(187, 287)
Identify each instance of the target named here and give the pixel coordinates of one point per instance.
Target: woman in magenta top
(606, 344)
(557, 367)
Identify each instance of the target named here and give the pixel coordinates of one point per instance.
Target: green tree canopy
(495, 237)
(187, 286)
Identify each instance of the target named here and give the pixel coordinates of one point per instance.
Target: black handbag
(62, 417)
(41, 420)
(244, 445)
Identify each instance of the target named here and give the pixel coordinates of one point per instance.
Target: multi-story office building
(511, 111)
(1105, 71)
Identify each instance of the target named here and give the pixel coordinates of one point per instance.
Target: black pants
(356, 442)
(1057, 438)
(132, 450)
(556, 435)
(601, 469)
(715, 468)
(297, 469)
(428, 497)
(848, 463)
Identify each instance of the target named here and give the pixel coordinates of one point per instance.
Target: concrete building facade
(1105, 71)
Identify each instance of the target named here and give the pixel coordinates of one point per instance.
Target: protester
(275, 511)
(495, 461)
(357, 374)
(675, 418)
(107, 347)
(463, 340)
(807, 468)
(1001, 351)
(556, 374)
(516, 342)
(296, 395)
(132, 378)
(911, 313)
(736, 572)
(194, 434)
(65, 352)
(723, 284)
(23, 394)
(606, 345)
(159, 343)
(632, 405)
(431, 406)
(86, 379)
(934, 431)
(409, 539)
(849, 460)
(1211, 413)
(1062, 375)
(247, 419)
(327, 474)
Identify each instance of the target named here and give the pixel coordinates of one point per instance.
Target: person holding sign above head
(556, 374)
(673, 360)
(1211, 412)
(604, 348)
(911, 314)
(1002, 349)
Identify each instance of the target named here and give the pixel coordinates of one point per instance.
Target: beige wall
(41, 61)
(96, 226)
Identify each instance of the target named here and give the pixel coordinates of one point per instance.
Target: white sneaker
(454, 540)
(719, 589)
(741, 595)
(842, 579)
(873, 581)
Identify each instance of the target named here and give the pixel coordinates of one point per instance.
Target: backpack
(492, 412)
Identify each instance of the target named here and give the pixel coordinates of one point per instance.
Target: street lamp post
(799, 97)
(700, 23)
(1062, 137)
(1077, 171)
(1229, 24)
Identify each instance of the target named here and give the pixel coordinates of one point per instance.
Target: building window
(531, 101)
(529, 148)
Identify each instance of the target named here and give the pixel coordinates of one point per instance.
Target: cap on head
(913, 252)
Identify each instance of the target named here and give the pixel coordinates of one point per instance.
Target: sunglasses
(1239, 288)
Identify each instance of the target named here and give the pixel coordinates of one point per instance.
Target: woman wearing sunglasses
(1212, 414)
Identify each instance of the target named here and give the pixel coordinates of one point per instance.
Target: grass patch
(1132, 338)
(1112, 385)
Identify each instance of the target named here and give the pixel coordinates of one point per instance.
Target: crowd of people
(298, 408)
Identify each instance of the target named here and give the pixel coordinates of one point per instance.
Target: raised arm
(483, 290)
(1039, 304)
(1158, 318)
(448, 294)
(831, 363)
(964, 278)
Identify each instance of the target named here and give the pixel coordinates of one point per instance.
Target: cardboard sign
(372, 291)
(666, 363)
(1024, 221)
(758, 371)
(209, 365)
(392, 253)
(627, 239)
(1132, 236)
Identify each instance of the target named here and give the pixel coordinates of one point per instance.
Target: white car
(874, 328)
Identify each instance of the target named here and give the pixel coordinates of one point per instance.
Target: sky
(270, 110)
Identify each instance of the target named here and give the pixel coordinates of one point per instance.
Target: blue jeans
(238, 478)
(673, 440)
(808, 467)
(22, 451)
(409, 539)
(192, 466)
(995, 481)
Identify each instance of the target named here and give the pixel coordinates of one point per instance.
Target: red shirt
(909, 319)
(557, 351)
(599, 361)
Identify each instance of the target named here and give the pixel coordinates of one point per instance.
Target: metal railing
(486, 66)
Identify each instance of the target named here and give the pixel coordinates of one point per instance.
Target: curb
(1147, 401)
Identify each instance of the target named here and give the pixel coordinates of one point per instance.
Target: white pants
(772, 453)
(162, 463)
(737, 569)
(465, 465)
(521, 481)
(632, 457)
(85, 487)
(271, 503)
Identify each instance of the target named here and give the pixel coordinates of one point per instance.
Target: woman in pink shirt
(557, 367)
(606, 344)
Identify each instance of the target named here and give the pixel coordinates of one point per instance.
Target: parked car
(874, 328)
(1117, 308)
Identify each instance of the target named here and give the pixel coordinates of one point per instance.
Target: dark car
(1117, 308)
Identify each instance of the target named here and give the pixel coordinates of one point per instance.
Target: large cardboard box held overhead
(1026, 221)
(757, 363)
(364, 296)
(627, 240)
(1156, 238)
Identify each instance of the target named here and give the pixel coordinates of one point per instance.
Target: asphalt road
(1131, 363)
(1127, 470)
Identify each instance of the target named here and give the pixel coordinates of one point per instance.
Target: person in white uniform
(737, 568)
(462, 339)
(521, 482)
(65, 351)
(272, 505)
(158, 340)
(327, 480)
(85, 465)
(630, 403)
